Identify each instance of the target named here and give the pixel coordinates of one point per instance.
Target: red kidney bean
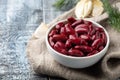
(59, 37)
(83, 42)
(93, 37)
(51, 41)
(71, 20)
(75, 52)
(103, 36)
(81, 26)
(93, 52)
(64, 51)
(56, 47)
(88, 22)
(62, 30)
(77, 22)
(97, 43)
(72, 37)
(91, 32)
(97, 35)
(90, 27)
(85, 37)
(59, 45)
(68, 43)
(81, 30)
(99, 29)
(69, 29)
(52, 32)
(77, 47)
(84, 48)
(100, 48)
(76, 41)
(79, 41)
(59, 25)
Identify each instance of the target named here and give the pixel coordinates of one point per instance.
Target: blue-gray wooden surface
(18, 20)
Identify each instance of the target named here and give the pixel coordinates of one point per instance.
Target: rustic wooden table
(18, 20)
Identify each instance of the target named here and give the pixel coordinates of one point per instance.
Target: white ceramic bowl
(77, 62)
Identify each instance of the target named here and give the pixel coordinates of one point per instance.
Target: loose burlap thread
(108, 68)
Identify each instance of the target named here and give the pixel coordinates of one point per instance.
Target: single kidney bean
(59, 25)
(103, 36)
(88, 23)
(91, 32)
(62, 30)
(97, 35)
(51, 41)
(59, 37)
(93, 52)
(71, 20)
(52, 32)
(83, 42)
(59, 45)
(90, 27)
(64, 51)
(93, 37)
(97, 43)
(85, 37)
(75, 52)
(81, 30)
(100, 48)
(76, 41)
(72, 36)
(77, 22)
(99, 29)
(68, 43)
(84, 48)
(57, 48)
(81, 26)
(69, 29)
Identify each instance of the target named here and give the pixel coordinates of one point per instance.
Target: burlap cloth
(108, 68)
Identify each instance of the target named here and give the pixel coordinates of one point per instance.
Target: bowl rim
(73, 57)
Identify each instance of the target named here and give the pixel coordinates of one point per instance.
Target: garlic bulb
(83, 8)
(88, 8)
(97, 8)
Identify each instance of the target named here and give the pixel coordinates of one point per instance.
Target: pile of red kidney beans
(78, 38)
